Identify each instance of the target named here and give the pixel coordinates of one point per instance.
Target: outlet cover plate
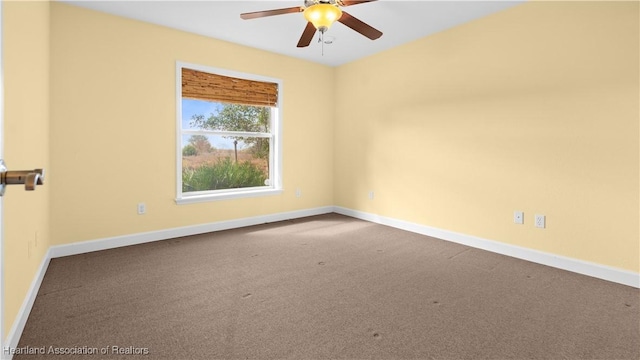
(540, 221)
(518, 217)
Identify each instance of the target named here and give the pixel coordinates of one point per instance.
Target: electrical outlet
(371, 195)
(298, 192)
(540, 221)
(518, 217)
(142, 208)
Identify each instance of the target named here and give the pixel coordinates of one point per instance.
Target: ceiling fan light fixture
(322, 16)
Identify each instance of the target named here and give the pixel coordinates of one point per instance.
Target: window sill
(226, 196)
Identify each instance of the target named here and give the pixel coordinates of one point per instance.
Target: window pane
(207, 115)
(193, 111)
(223, 162)
(226, 150)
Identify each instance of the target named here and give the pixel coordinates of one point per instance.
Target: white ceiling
(400, 22)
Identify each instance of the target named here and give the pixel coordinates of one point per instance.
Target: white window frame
(275, 144)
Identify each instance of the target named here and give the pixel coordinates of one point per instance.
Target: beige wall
(535, 108)
(26, 144)
(113, 127)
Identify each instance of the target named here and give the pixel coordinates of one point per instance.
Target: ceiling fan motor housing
(308, 3)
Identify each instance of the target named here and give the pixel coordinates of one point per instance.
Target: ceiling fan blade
(353, 2)
(259, 14)
(359, 26)
(307, 35)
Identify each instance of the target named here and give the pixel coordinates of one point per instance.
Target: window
(228, 134)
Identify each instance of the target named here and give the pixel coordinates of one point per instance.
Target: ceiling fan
(320, 14)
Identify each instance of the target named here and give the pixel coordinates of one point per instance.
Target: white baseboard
(23, 314)
(599, 271)
(140, 238)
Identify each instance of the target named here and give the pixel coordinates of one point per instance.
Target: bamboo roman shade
(206, 86)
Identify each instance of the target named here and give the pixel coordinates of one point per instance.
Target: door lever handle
(30, 178)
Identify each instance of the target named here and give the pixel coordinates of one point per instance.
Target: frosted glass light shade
(322, 15)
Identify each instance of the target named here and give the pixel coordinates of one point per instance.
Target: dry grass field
(196, 161)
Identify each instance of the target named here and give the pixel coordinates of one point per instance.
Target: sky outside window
(192, 107)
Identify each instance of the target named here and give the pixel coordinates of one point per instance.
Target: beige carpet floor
(324, 287)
